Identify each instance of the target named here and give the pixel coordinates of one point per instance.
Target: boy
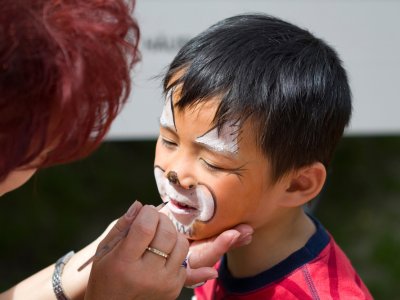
(255, 107)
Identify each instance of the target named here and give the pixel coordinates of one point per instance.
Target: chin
(202, 230)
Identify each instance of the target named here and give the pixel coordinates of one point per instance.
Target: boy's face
(212, 181)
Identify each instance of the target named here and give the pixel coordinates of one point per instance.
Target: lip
(185, 206)
(182, 208)
(183, 213)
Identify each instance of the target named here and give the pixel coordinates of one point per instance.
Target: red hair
(64, 76)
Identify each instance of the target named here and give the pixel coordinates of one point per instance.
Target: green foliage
(360, 207)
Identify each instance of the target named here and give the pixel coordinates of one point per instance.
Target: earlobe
(305, 184)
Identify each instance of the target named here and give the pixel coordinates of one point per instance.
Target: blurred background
(65, 207)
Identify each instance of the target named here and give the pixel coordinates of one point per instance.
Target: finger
(245, 237)
(141, 233)
(164, 239)
(207, 253)
(174, 264)
(195, 276)
(182, 276)
(163, 209)
(178, 254)
(120, 226)
(160, 207)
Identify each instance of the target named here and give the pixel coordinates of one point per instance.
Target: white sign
(366, 35)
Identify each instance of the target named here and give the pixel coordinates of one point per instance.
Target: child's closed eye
(214, 168)
(168, 143)
(211, 166)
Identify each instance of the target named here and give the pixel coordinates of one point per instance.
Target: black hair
(290, 84)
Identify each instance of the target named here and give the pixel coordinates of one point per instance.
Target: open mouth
(184, 213)
(185, 206)
(181, 207)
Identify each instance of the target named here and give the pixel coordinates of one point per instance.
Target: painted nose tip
(173, 177)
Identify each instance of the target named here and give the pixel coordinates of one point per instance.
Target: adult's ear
(304, 184)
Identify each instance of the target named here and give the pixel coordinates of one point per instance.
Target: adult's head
(64, 76)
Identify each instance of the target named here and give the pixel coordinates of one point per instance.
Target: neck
(271, 244)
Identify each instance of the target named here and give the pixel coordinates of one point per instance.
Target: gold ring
(158, 252)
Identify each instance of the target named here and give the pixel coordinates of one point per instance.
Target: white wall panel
(365, 33)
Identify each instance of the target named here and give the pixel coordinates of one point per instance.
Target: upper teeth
(184, 204)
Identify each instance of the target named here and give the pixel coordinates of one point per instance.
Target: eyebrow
(167, 127)
(229, 148)
(211, 148)
(169, 102)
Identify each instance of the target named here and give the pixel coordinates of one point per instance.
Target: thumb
(206, 253)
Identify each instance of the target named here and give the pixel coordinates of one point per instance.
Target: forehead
(197, 122)
(201, 112)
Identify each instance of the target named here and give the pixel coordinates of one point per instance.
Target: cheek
(160, 155)
(15, 180)
(231, 208)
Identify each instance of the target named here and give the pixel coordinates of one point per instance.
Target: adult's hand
(205, 253)
(129, 271)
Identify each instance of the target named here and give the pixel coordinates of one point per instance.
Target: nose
(184, 181)
(173, 177)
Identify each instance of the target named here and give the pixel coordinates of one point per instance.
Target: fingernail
(161, 205)
(184, 263)
(245, 239)
(245, 236)
(133, 210)
(235, 239)
(197, 285)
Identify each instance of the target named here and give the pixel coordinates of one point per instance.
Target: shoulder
(332, 276)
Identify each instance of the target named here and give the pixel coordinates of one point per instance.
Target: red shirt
(319, 270)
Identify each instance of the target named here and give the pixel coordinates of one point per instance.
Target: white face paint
(167, 116)
(185, 206)
(224, 141)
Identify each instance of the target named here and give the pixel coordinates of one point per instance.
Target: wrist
(57, 276)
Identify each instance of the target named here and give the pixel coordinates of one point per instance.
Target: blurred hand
(205, 253)
(129, 271)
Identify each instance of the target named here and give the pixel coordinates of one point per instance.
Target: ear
(304, 184)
